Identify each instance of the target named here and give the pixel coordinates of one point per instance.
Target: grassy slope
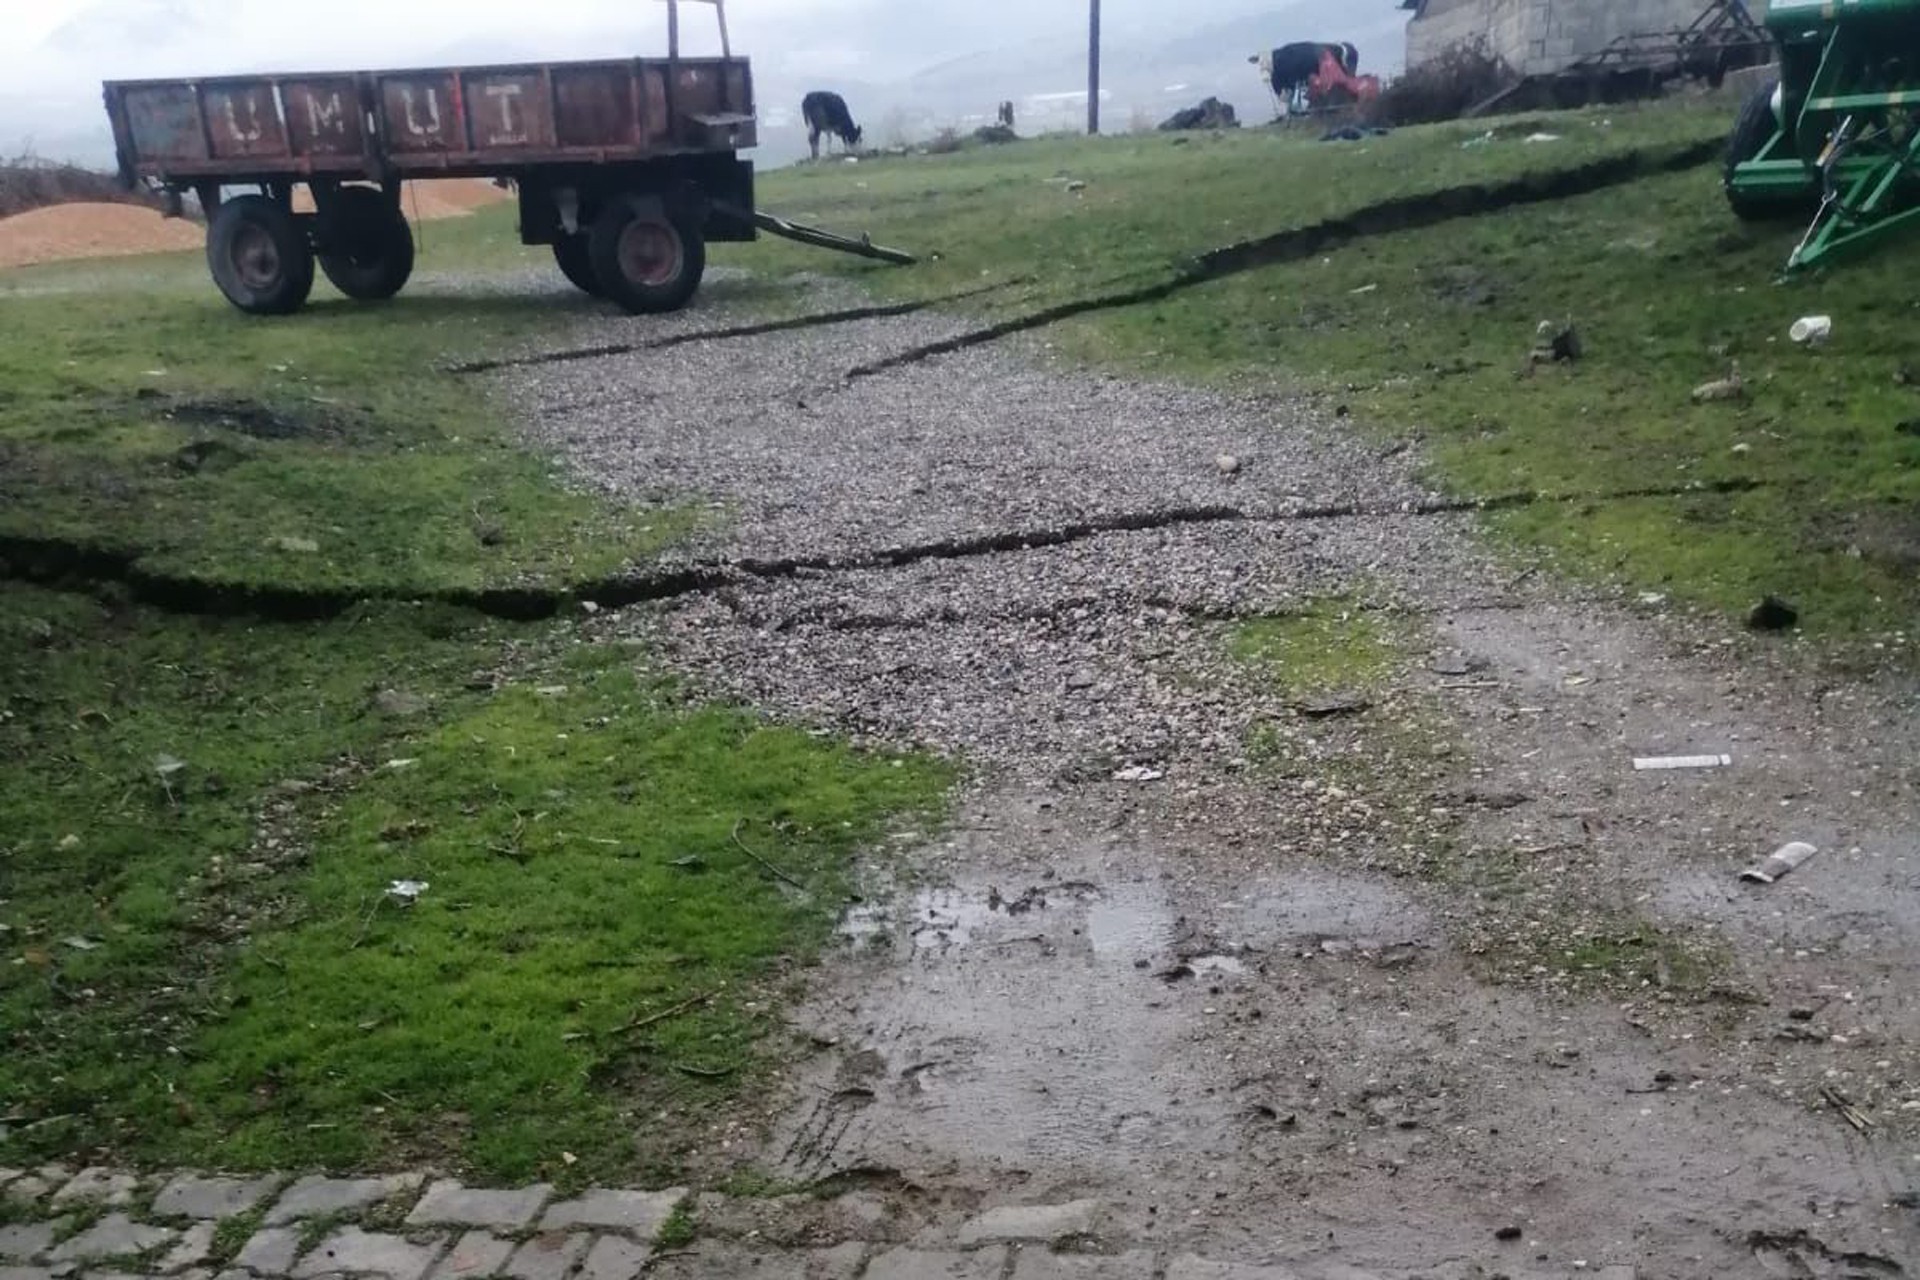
(183, 983)
(109, 372)
(1430, 328)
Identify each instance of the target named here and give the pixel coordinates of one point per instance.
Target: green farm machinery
(1837, 138)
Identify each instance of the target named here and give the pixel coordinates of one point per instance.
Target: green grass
(1429, 332)
(1006, 215)
(199, 817)
(248, 1003)
(1330, 646)
(335, 456)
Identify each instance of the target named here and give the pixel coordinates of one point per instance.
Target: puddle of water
(1127, 925)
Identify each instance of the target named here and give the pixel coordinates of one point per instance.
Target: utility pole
(1093, 67)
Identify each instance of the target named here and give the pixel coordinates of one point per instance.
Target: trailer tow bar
(863, 246)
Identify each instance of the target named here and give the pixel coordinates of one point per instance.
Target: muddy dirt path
(1429, 983)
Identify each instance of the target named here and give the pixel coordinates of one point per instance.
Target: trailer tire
(644, 258)
(576, 264)
(259, 256)
(367, 245)
(1752, 130)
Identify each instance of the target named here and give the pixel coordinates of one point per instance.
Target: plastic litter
(1811, 330)
(406, 892)
(1778, 863)
(1645, 763)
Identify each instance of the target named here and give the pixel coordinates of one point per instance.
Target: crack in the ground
(1406, 213)
(758, 328)
(59, 562)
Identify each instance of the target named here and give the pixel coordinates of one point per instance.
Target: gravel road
(1374, 988)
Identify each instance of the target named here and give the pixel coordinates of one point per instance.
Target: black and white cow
(826, 114)
(1290, 67)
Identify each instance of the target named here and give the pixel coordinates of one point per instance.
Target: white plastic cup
(1811, 330)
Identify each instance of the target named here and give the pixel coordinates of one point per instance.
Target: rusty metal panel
(243, 119)
(324, 116)
(507, 110)
(653, 107)
(594, 106)
(423, 112)
(163, 122)
(699, 89)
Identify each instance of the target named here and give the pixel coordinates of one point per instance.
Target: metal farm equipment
(627, 167)
(1837, 138)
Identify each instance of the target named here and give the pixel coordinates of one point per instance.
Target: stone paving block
(323, 1197)
(475, 1255)
(547, 1257)
(370, 1253)
(448, 1202)
(36, 1185)
(114, 1236)
(193, 1196)
(99, 1186)
(1040, 1263)
(1031, 1222)
(615, 1258)
(922, 1264)
(1192, 1268)
(719, 1260)
(25, 1242)
(270, 1251)
(195, 1243)
(638, 1213)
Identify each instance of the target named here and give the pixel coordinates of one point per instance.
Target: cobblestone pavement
(100, 1224)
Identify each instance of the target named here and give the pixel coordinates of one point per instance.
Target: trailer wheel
(366, 245)
(259, 256)
(1753, 129)
(576, 264)
(644, 259)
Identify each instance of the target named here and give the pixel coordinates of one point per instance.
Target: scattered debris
(1354, 133)
(1772, 614)
(1848, 1112)
(672, 1011)
(1798, 1254)
(406, 892)
(1338, 704)
(692, 862)
(1722, 389)
(1778, 863)
(1643, 764)
(1508, 1233)
(1227, 464)
(1541, 137)
(80, 944)
(1139, 773)
(1555, 344)
(1210, 114)
(744, 848)
(1811, 331)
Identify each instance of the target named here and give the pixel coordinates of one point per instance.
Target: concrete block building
(1538, 37)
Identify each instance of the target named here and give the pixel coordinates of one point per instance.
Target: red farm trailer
(627, 168)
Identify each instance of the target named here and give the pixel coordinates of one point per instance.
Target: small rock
(1227, 464)
(1508, 1233)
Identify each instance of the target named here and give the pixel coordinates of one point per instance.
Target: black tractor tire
(259, 256)
(576, 264)
(643, 257)
(367, 246)
(1752, 130)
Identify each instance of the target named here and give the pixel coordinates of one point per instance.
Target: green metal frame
(1849, 115)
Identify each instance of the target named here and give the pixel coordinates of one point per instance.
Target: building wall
(1541, 36)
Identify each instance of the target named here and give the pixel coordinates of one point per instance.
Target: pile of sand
(434, 198)
(62, 232)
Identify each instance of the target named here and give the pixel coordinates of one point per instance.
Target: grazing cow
(826, 113)
(1292, 68)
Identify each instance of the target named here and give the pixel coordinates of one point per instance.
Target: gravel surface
(1419, 901)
